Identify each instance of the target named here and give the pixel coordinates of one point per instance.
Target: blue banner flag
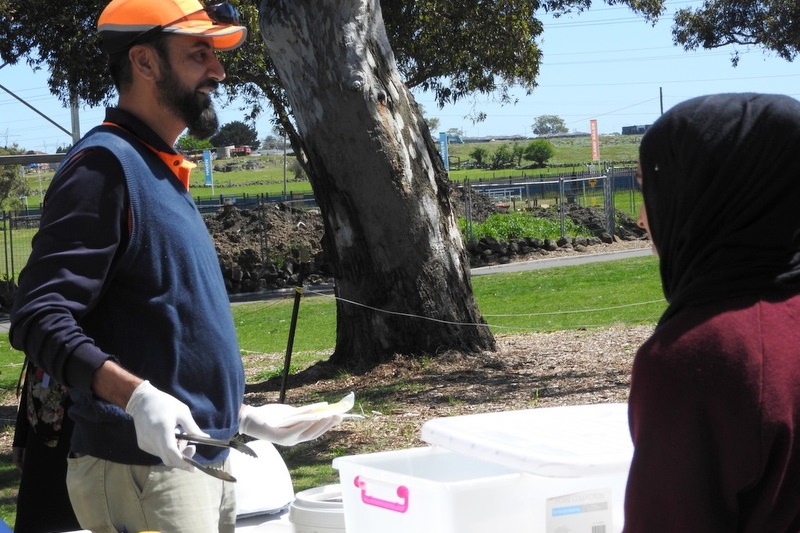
(207, 167)
(443, 150)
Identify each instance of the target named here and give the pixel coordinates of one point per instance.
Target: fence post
(561, 205)
(608, 192)
(468, 210)
(262, 226)
(11, 246)
(5, 241)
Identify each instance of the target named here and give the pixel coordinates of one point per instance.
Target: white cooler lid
(570, 441)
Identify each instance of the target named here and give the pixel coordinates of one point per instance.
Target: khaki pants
(113, 498)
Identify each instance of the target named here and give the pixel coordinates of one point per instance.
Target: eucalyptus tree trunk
(400, 267)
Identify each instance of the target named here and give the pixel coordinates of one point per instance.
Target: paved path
(569, 260)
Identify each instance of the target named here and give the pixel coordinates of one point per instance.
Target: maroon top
(714, 416)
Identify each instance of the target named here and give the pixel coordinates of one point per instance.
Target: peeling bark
(400, 266)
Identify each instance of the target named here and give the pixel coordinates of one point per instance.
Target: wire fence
(18, 229)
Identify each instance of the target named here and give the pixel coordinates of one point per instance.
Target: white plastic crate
(430, 489)
(543, 470)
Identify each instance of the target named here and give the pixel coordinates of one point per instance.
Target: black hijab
(721, 185)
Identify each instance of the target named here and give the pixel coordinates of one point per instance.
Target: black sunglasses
(222, 13)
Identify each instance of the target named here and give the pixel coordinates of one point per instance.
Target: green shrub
(505, 227)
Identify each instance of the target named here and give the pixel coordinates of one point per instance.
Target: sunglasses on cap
(222, 13)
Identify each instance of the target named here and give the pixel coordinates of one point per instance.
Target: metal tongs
(215, 472)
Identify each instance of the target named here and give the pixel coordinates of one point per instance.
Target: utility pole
(661, 98)
(76, 123)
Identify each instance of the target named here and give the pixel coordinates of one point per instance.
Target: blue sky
(606, 64)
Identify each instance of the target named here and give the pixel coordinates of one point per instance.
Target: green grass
(589, 296)
(593, 295)
(266, 324)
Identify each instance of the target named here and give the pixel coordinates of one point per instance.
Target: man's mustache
(213, 84)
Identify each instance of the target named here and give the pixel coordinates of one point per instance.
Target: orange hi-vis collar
(176, 162)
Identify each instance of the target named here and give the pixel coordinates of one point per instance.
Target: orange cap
(122, 22)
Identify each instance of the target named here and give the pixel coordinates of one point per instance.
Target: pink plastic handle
(398, 507)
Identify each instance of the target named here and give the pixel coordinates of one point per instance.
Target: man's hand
(267, 423)
(156, 415)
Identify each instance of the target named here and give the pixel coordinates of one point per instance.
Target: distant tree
(271, 142)
(502, 157)
(517, 152)
(63, 149)
(282, 141)
(236, 133)
(480, 155)
(549, 125)
(433, 124)
(297, 169)
(187, 143)
(539, 150)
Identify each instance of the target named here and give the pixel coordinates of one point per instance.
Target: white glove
(272, 422)
(156, 414)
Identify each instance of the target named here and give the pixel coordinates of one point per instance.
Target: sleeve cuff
(86, 358)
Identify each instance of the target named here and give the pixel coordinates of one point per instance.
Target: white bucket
(318, 510)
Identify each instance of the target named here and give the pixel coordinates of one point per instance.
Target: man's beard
(194, 107)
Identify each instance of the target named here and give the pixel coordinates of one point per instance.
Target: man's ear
(145, 61)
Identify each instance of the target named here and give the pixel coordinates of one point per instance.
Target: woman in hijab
(714, 406)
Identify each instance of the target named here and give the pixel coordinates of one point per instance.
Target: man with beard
(122, 300)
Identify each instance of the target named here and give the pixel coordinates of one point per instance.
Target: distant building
(635, 130)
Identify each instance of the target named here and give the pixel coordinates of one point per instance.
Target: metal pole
(298, 294)
(76, 122)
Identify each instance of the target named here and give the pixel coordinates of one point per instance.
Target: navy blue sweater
(147, 292)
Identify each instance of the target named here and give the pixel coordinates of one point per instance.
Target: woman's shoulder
(723, 333)
(708, 332)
